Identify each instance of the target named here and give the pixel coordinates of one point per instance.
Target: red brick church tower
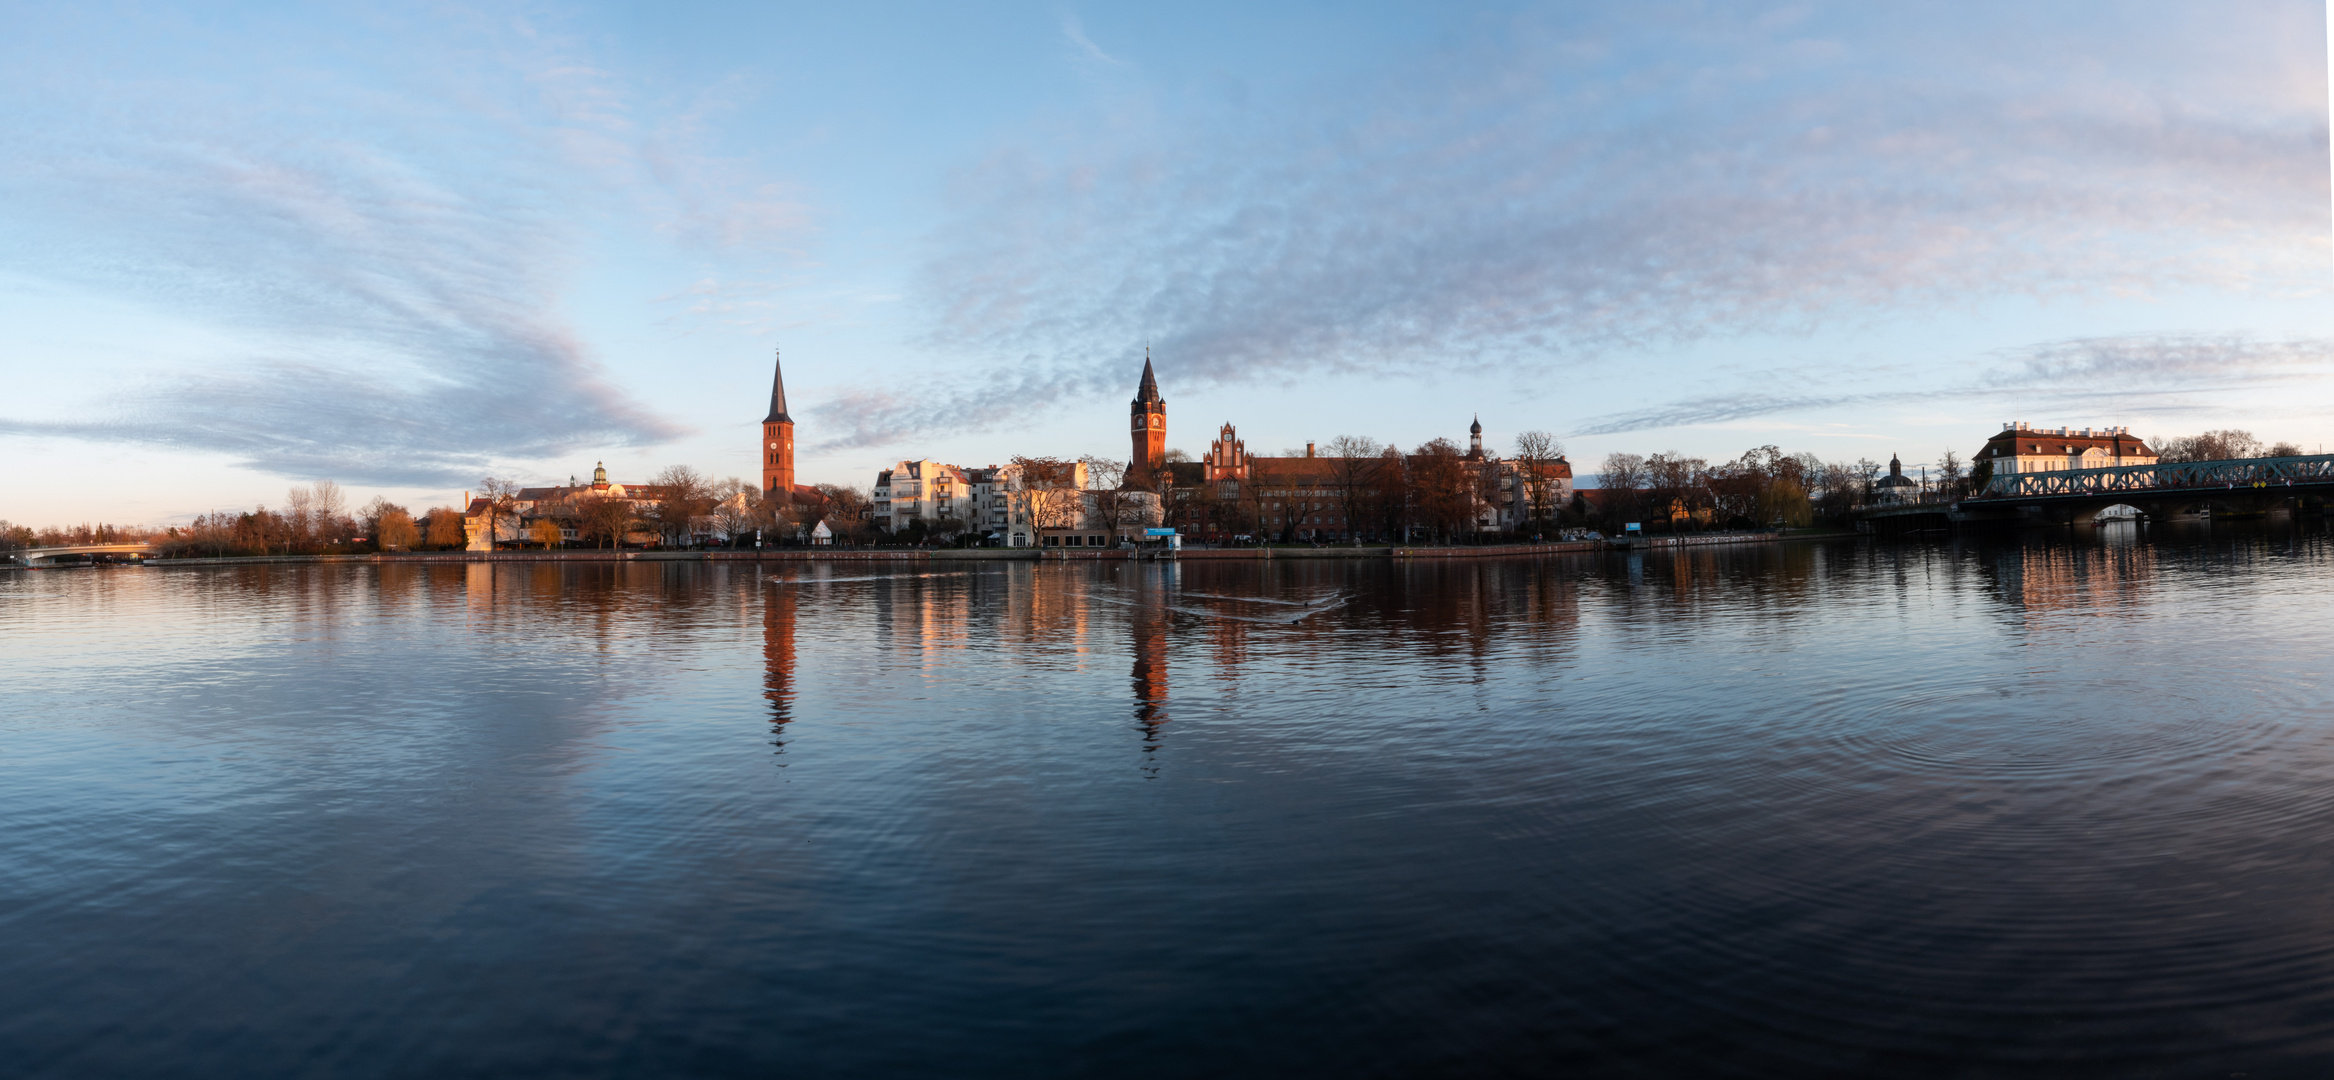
(777, 440)
(1149, 431)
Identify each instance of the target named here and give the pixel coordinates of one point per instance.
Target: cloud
(987, 400)
(2169, 363)
(1716, 409)
(1075, 31)
(389, 248)
(2154, 373)
(1558, 193)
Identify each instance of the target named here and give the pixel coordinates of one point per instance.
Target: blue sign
(1635, 527)
(1158, 532)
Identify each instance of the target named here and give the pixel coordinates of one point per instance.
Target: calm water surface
(2050, 807)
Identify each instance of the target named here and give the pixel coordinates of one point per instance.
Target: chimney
(1308, 449)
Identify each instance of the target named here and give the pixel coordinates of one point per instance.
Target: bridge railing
(2185, 475)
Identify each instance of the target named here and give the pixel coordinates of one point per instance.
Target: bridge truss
(2186, 476)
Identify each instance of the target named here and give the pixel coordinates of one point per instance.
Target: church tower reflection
(1148, 625)
(778, 602)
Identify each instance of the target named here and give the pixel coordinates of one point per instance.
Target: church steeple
(777, 393)
(1148, 429)
(1149, 391)
(777, 449)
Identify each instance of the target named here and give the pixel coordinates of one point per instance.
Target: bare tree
(1044, 490)
(545, 532)
(501, 499)
(328, 510)
(2283, 449)
(298, 516)
(1866, 471)
(602, 518)
(1443, 491)
(683, 496)
(1949, 470)
(846, 510)
(1621, 483)
(1114, 505)
(369, 517)
(733, 516)
(1356, 464)
(1536, 455)
(1677, 487)
(2226, 445)
(1253, 503)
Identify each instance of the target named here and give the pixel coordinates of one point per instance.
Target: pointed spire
(1150, 388)
(777, 393)
(1476, 428)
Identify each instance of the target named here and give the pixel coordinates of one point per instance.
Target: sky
(244, 247)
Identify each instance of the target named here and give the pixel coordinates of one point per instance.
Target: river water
(2043, 806)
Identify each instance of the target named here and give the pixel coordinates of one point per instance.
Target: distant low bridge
(2234, 486)
(2312, 472)
(49, 555)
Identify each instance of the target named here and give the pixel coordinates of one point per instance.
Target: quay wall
(1698, 540)
(912, 555)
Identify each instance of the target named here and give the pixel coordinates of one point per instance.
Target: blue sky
(247, 246)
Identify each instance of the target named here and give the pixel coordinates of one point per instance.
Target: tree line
(1433, 491)
(2220, 446)
(690, 509)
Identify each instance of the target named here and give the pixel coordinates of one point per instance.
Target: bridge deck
(2238, 474)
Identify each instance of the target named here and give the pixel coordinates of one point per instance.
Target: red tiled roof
(2011, 443)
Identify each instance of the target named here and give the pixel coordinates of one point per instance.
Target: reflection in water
(1147, 626)
(2067, 578)
(2031, 806)
(778, 603)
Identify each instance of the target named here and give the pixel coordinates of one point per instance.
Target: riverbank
(1634, 543)
(929, 555)
(911, 555)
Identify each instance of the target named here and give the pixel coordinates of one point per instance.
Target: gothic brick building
(1231, 492)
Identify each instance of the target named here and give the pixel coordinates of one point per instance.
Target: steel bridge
(2198, 476)
(2237, 485)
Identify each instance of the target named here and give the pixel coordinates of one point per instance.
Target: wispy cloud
(1564, 192)
(1075, 30)
(2153, 373)
(391, 248)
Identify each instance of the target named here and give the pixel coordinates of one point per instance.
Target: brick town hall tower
(1149, 432)
(777, 440)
